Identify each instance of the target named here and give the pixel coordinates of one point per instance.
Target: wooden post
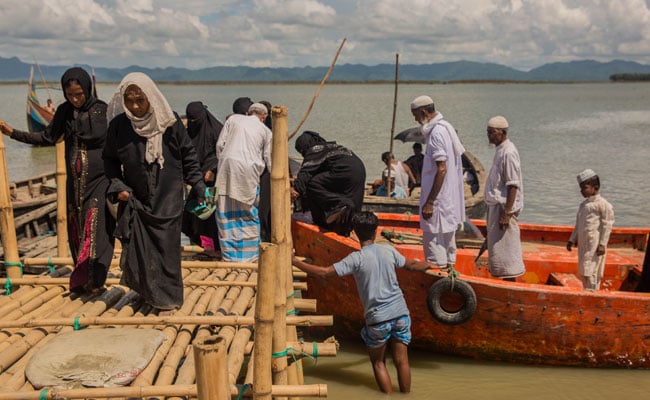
(7, 227)
(61, 205)
(211, 369)
(264, 321)
(279, 193)
(392, 128)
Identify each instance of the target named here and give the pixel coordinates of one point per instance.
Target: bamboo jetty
(235, 334)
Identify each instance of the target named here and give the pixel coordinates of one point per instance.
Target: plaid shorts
(378, 335)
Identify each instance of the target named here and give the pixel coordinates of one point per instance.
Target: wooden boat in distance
(545, 317)
(475, 177)
(38, 117)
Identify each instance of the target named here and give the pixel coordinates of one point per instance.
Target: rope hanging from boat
(322, 83)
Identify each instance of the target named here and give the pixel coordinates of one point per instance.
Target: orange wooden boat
(543, 318)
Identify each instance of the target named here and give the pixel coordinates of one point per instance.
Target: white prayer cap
(586, 174)
(258, 108)
(421, 101)
(498, 122)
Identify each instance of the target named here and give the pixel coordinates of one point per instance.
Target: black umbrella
(410, 135)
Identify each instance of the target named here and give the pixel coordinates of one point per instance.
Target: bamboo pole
(7, 228)
(392, 127)
(238, 346)
(322, 83)
(33, 261)
(211, 369)
(280, 153)
(46, 281)
(61, 205)
(264, 321)
(317, 390)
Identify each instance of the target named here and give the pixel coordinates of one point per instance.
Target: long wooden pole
(389, 187)
(322, 83)
(303, 320)
(264, 321)
(7, 228)
(317, 390)
(45, 281)
(61, 202)
(278, 237)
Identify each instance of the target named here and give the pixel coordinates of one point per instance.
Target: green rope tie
(292, 294)
(291, 312)
(15, 264)
(49, 262)
(43, 394)
(285, 352)
(8, 286)
(76, 326)
(242, 390)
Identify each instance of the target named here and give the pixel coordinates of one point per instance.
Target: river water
(559, 129)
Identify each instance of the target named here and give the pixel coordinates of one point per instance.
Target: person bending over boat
(331, 182)
(504, 196)
(204, 129)
(81, 122)
(442, 200)
(594, 223)
(148, 156)
(387, 319)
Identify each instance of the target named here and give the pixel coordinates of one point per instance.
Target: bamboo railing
(225, 306)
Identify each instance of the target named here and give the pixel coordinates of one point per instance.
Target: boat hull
(529, 321)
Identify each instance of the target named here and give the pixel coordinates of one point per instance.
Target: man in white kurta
(442, 201)
(593, 227)
(243, 151)
(504, 196)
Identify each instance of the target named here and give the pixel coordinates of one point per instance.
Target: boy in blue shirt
(386, 314)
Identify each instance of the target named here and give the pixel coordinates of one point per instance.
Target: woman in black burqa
(81, 122)
(204, 129)
(331, 182)
(148, 158)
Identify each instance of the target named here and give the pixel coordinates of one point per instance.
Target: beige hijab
(154, 123)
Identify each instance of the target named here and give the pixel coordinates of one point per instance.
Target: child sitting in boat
(591, 233)
(386, 314)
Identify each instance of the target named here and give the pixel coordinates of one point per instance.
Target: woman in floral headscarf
(148, 157)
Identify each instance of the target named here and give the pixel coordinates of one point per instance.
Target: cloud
(202, 33)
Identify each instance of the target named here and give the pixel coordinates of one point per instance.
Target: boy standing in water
(591, 233)
(386, 314)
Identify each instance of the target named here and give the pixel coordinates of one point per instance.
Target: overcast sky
(195, 34)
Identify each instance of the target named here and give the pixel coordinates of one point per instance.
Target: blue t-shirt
(373, 268)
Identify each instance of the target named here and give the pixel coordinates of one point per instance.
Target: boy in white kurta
(593, 226)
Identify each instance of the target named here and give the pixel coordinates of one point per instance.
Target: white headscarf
(154, 123)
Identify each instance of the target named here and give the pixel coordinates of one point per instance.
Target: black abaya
(204, 129)
(90, 226)
(149, 223)
(330, 177)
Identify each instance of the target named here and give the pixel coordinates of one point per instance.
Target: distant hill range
(12, 69)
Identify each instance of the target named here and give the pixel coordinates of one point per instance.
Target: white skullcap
(498, 122)
(586, 174)
(421, 101)
(258, 108)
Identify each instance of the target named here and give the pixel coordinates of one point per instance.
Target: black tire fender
(443, 286)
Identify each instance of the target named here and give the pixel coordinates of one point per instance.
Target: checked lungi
(239, 229)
